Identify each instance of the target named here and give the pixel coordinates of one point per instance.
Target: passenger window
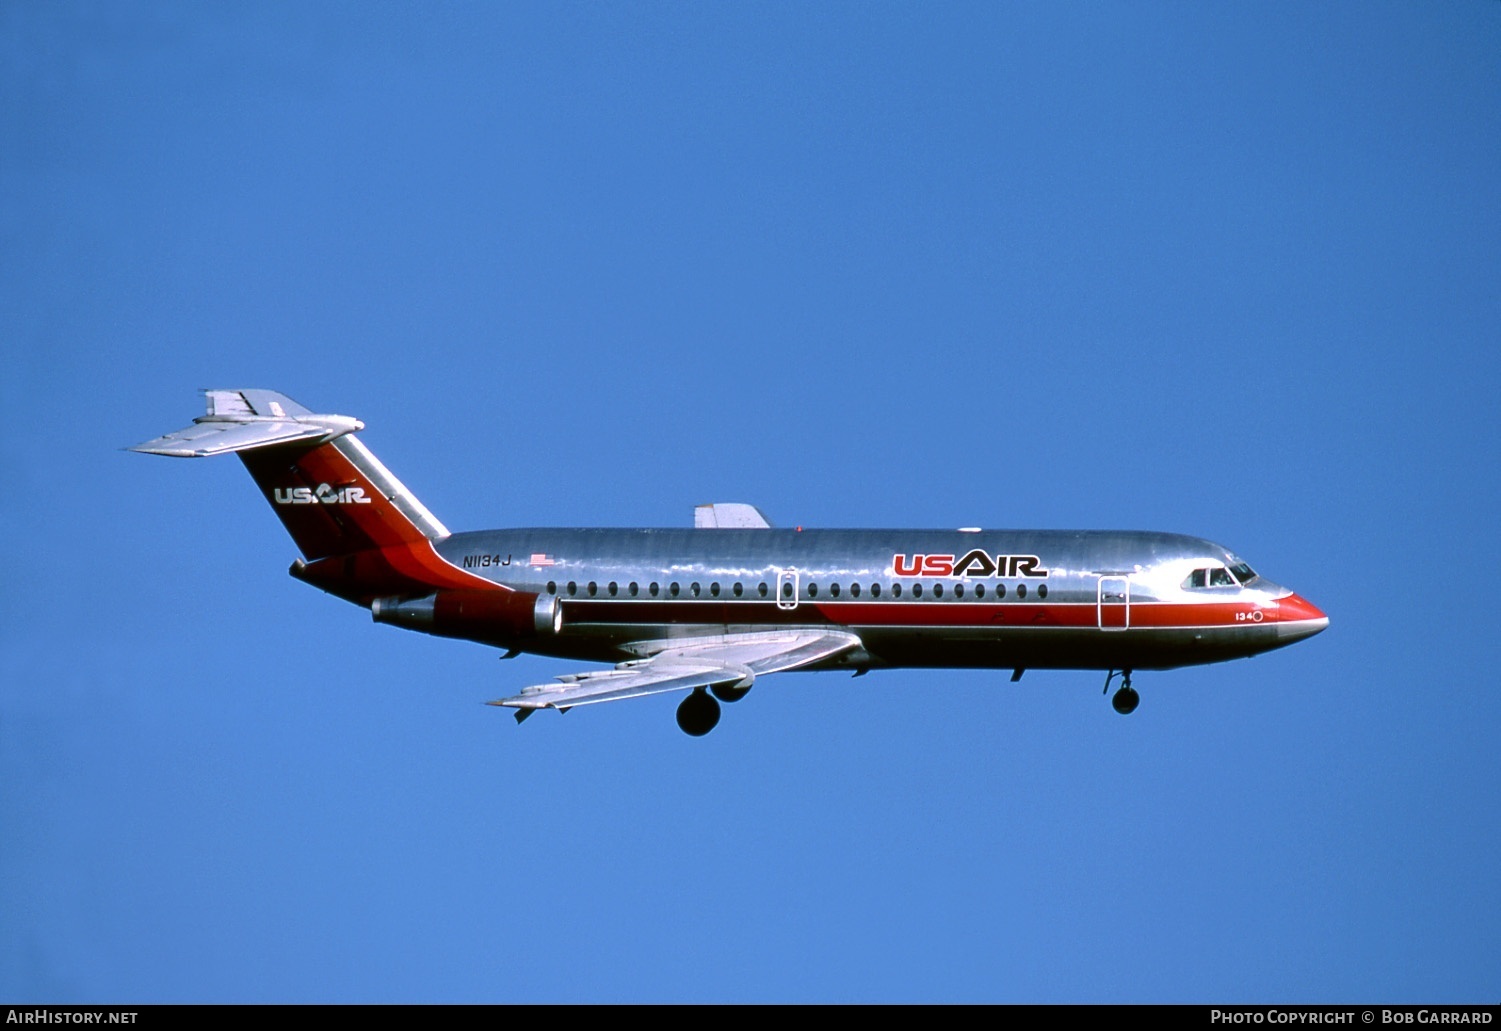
(854, 590)
(812, 590)
(573, 588)
(1021, 590)
(833, 590)
(896, 590)
(653, 590)
(552, 587)
(917, 590)
(738, 590)
(1000, 590)
(693, 589)
(614, 588)
(875, 590)
(762, 589)
(632, 589)
(593, 588)
(672, 588)
(1042, 590)
(713, 590)
(938, 590)
(979, 590)
(786, 588)
(958, 590)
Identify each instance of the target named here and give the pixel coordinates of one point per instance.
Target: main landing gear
(699, 712)
(1125, 699)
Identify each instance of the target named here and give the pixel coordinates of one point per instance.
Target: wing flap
(767, 651)
(679, 665)
(648, 678)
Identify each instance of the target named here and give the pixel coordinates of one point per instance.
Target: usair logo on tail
(974, 563)
(325, 494)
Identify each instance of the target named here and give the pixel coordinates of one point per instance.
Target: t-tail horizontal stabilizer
(239, 420)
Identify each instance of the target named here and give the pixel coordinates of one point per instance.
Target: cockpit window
(1215, 576)
(1244, 573)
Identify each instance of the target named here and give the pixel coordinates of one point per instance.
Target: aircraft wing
(681, 664)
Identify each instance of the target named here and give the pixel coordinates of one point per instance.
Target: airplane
(709, 610)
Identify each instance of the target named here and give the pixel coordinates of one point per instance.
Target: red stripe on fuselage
(1153, 615)
(892, 613)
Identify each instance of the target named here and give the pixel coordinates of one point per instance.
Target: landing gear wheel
(729, 692)
(699, 713)
(1125, 699)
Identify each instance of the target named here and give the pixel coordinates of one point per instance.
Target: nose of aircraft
(1297, 617)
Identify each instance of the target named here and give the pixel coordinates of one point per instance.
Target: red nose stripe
(1296, 607)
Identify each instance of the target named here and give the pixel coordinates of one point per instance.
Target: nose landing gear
(1125, 699)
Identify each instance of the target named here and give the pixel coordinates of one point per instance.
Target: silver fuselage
(1060, 599)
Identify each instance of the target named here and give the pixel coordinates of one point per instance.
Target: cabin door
(1114, 602)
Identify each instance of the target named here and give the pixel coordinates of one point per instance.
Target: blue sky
(1228, 270)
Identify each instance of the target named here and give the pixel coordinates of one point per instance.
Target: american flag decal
(542, 560)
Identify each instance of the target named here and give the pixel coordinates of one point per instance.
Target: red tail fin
(362, 533)
(337, 499)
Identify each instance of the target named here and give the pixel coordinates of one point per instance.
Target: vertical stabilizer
(333, 496)
(337, 498)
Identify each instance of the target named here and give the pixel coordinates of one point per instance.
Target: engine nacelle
(547, 615)
(495, 617)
